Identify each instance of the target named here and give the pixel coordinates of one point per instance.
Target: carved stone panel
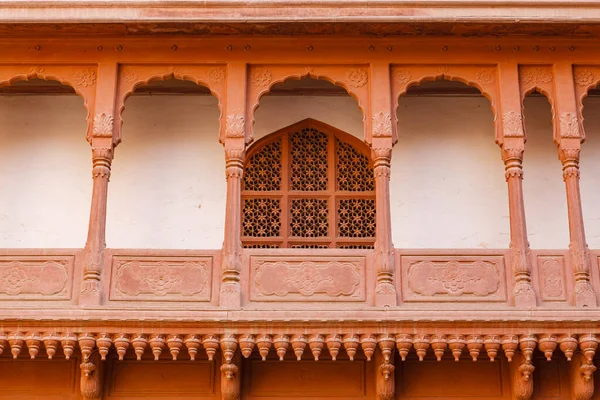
(453, 278)
(161, 278)
(551, 273)
(307, 278)
(36, 277)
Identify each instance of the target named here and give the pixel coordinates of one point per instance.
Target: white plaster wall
(45, 172)
(168, 186)
(447, 183)
(543, 187)
(590, 172)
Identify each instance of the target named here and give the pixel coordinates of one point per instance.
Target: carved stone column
(521, 376)
(92, 375)
(582, 377)
(512, 155)
(102, 155)
(580, 259)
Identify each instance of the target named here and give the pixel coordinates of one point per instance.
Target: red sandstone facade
(123, 324)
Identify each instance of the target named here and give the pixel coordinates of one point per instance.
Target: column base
(585, 295)
(90, 295)
(231, 296)
(524, 295)
(385, 295)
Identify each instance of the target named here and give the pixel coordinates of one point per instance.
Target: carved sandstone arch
(213, 77)
(585, 78)
(539, 78)
(353, 78)
(82, 78)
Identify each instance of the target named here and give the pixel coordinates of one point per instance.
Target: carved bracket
(92, 373)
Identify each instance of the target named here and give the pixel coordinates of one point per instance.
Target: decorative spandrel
(309, 164)
(353, 170)
(308, 186)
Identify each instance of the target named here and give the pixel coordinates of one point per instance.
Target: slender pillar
(103, 143)
(510, 134)
(234, 139)
(568, 137)
(382, 140)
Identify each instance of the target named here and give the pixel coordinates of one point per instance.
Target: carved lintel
(582, 377)
(521, 374)
(231, 379)
(386, 388)
(92, 372)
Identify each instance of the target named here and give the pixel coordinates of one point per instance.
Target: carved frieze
(552, 278)
(307, 278)
(584, 77)
(36, 278)
(535, 75)
(261, 77)
(450, 279)
(486, 76)
(161, 278)
(216, 74)
(85, 77)
(402, 75)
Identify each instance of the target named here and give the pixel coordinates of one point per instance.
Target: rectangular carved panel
(307, 379)
(164, 379)
(40, 379)
(453, 278)
(447, 380)
(551, 274)
(36, 277)
(161, 278)
(307, 278)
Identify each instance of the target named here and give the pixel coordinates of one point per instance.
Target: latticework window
(308, 186)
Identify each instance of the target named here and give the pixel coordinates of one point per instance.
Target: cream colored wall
(590, 172)
(168, 188)
(447, 183)
(45, 172)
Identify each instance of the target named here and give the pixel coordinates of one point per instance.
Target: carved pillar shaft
(512, 155)
(384, 249)
(569, 157)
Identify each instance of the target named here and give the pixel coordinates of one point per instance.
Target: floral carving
(357, 77)
(584, 77)
(161, 279)
(35, 279)
(552, 278)
(130, 75)
(314, 279)
(569, 125)
(535, 76)
(36, 71)
(443, 70)
(103, 125)
(261, 77)
(512, 122)
(402, 75)
(85, 77)
(15, 278)
(382, 125)
(486, 76)
(217, 74)
(235, 126)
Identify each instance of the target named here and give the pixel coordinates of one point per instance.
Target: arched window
(308, 186)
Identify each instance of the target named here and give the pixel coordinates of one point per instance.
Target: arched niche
(544, 192)
(447, 184)
(167, 186)
(590, 168)
(45, 167)
(299, 98)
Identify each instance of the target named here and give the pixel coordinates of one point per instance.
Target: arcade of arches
(378, 213)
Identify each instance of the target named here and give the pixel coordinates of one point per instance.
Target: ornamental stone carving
(103, 125)
(436, 279)
(261, 77)
(161, 279)
(552, 278)
(357, 77)
(512, 123)
(235, 126)
(382, 125)
(315, 279)
(217, 74)
(569, 125)
(85, 77)
(36, 279)
(584, 77)
(486, 76)
(402, 75)
(130, 75)
(536, 76)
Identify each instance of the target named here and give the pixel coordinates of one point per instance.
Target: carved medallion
(512, 123)
(261, 77)
(103, 125)
(584, 77)
(85, 77)
(217, 74)
(569, 125)
(402, 75)
(486, 76)
(552, 278)
(130, 75)
(382, 125)
(36, 279)
(235, 126)
(357, 77)
(535, 76)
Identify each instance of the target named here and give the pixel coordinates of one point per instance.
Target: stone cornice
(255, 11)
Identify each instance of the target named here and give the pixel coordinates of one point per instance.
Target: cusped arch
(81, 80)
(586, 78)
(134, 77)
(549, 96)
(353, 79)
